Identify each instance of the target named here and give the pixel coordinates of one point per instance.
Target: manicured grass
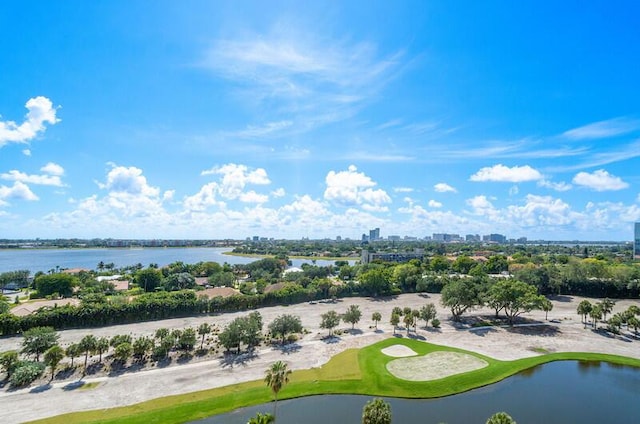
(350, 372)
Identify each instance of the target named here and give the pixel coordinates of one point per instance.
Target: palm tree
(203, 330)
(72, 351)
(87, 344)
(102, 346)
(52, 358)
(395, 320)
(583, 309)
(262, 419)
(634, 323)
(596, 315)
(276, 377)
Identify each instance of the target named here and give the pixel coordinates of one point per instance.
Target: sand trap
(434, 366)
(398, 351)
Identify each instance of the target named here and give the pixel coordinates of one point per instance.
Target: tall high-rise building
(636, 241)
(374, 234)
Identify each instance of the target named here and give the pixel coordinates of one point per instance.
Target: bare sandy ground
(563, 332)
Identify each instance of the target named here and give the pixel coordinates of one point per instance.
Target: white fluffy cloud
(41, 111)
(19, 191)
(599, 180)
(236, 177)
(128, 180)
(501, 173)
(52, 169)
(352, 188)
(444, 188)
(231, 185)
(434, 204)
(50, 177)
(542, 211)
(481, 205)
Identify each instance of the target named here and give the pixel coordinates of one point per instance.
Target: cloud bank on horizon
(292, 122)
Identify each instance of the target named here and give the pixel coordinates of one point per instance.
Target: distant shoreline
(311, 258)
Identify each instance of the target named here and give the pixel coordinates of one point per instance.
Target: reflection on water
(559, 392)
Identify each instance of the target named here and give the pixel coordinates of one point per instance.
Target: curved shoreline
(206, 403)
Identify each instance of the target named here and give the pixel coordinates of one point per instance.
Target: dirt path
(565, 333)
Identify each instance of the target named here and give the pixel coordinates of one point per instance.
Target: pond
(558, 392)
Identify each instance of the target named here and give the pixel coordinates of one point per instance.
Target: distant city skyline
(227, 119)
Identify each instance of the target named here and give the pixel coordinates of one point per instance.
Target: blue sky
(136, 119)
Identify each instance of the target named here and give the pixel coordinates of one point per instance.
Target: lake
(46, 259)
(558, 392)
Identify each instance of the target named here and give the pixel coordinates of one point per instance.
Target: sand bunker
(434, 366)
(398, 351)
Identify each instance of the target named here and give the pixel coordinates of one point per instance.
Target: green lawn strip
(353, 371)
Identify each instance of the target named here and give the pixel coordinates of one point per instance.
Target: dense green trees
(148, 279)
(179, 281)
(61, 284)
(375, 282)
(551, 269)
(17, 279)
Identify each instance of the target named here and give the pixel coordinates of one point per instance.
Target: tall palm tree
(276, 377)
(87, 345)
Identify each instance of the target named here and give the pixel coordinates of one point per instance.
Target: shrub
(435, 322)
(26, 373)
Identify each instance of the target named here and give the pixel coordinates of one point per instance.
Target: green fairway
(350, 372)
